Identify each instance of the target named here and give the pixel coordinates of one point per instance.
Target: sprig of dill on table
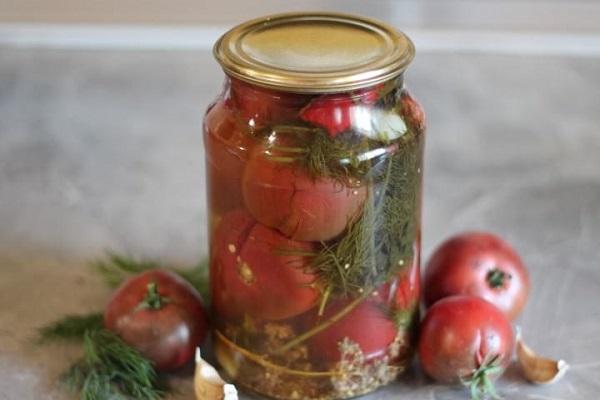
(70, 327)
(110, 369)
(116, 268)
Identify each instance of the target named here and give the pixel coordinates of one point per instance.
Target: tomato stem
(479, 383)
(282, 159)
(286, 149)
(496, 278)
(152, 300)
(324, 299)
(326, 324)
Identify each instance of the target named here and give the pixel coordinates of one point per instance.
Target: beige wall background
(531, 15)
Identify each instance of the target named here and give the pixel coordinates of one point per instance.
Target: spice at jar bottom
(314, 168)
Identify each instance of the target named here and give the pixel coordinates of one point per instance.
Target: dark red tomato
(257, 271)
(478, 264)
(159, 314)
(230, 233)
(368, 325)
(284, 196)
(259, 107)
(412, 111)
(336, 113)
(461, 334)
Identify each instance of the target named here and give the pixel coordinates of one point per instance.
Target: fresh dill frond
(379, 242)
(337, 158)
(321, 156)
(198, 277)
(116, 267)
(70, 327)
(111, 369)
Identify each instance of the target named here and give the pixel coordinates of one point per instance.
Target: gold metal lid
(314, 52)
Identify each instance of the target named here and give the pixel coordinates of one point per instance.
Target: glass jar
(314, 168)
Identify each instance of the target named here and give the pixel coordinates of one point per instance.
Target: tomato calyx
(152, 300)
(497, 278)
(479, 382)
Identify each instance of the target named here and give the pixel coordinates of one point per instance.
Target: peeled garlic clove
(209, 385)
(387, 126)
(378, 124)
(538, 369)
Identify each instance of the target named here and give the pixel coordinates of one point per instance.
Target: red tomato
(159, 314)
(255, 272)
(478, 264)
(337, 112)
(368, 325)
(461, 333)
(412, 111)
(232, 230)
(283, 196)
(259, 107)
(227, 147)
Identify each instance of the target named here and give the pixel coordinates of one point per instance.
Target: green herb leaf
(110, 369)
(480, 381)
(71, 327)
(197, 276)
(379, 242)
(117, 267)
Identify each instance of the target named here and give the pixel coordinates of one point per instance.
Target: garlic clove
(538, 369)
(378, 124)
(389, 126)
(208, 384)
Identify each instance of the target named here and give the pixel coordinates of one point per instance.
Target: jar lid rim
(314, 52)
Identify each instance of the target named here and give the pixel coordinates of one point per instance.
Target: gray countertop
(102, 150)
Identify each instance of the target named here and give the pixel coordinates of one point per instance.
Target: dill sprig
(337, 158)
(311, 148)
(379, 242)
(71, 327)
(110, 369)
(198, 277)
(116, 268)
